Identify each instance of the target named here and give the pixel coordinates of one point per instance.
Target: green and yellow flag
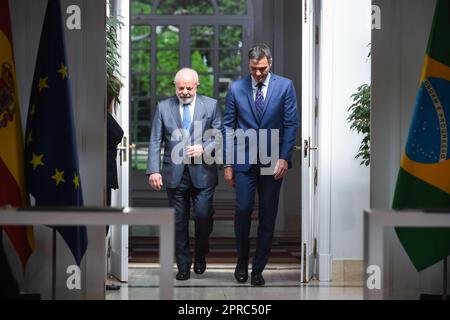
(424, 177)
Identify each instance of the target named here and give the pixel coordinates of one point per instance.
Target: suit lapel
(270, 89)
(198, 111)
(251, 99)
(175, 107)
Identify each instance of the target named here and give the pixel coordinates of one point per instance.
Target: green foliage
(113, 24)
(359, 120)
(167, 62)
(141, 7)
(178, 7)
(206, 81)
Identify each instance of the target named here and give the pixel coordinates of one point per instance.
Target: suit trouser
(247, 183)
(180, 200)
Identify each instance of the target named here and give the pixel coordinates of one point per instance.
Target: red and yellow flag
(12, 185)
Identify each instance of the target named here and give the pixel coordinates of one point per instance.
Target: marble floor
(217, 283)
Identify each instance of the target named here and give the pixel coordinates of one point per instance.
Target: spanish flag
(12, 185)
(424, 177)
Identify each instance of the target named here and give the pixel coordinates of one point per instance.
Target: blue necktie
(186, 116)
(259, 100)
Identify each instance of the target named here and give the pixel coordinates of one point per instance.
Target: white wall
(86, 55)
(398, 54)
(345, 36)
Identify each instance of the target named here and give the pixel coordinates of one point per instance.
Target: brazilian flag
(424, 177)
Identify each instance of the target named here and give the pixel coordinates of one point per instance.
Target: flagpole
(54, 264)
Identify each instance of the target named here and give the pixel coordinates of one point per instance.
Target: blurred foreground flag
(12, 180)
(424, 177)
(50, 147)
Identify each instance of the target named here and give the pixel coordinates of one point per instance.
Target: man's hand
(280, 169)
(194, 151)
(228, 175)
(155, 181)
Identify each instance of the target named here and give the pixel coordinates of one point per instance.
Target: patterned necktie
(259, 100)
(186, 116)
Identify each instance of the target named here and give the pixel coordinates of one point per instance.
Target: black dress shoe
(199, 265)
(241, 271)
(112, 287)
(183, 275)
(257, 279)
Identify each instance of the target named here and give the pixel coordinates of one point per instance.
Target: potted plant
(359, 119)
(113, 75)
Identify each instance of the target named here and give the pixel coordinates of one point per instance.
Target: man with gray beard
(191, 178)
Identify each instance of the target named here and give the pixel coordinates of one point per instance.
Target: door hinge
(305, 261)
(123, 150)
(306, 11)
(315, 177)
(315, 275)
(317, 35)
(315, 247)
(316, 108)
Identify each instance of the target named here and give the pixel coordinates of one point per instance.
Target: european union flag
(51, 158)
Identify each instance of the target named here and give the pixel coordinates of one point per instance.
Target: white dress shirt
(191, 109)
(264, 87)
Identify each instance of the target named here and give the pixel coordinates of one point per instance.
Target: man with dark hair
(262, 103)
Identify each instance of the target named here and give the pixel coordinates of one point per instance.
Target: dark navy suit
(279, 113)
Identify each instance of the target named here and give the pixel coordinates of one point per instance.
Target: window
(207, 35)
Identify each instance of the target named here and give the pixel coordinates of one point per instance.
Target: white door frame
(307, 176)
(120, 197)
(317, 83)
(325, 118)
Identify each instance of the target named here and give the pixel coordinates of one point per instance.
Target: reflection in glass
(164, 86)
(140, 37)
(141, 6)
(202, 60)
(140, 110)
(230, 37)
(140, 85)
(221, 102)
(224, 82)
(140, 61)
(167, 37)
(232, 7)
(140, 137)
(206, 85)
(230, 61)
(167, 61)
(193, 7)
(202, 37)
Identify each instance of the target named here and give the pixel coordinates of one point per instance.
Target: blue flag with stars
(51, 158)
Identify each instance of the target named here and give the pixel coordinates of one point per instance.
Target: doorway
(213, 40)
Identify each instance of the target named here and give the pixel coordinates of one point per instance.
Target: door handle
(306, 148)
(123, 150)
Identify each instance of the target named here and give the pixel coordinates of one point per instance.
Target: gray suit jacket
(166, 121)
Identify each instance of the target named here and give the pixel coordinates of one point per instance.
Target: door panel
(120, 197)
(216, 50)
(309, 136)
